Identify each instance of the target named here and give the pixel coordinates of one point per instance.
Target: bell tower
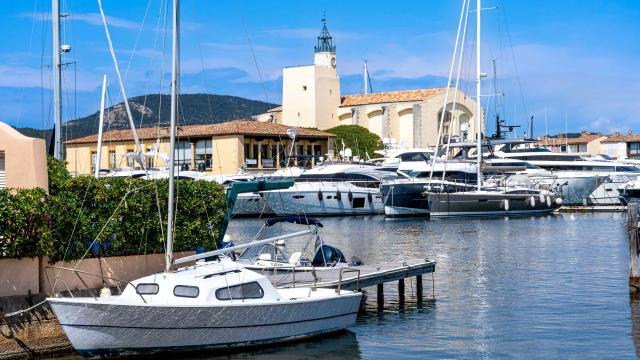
(325, 50)
(311, 93)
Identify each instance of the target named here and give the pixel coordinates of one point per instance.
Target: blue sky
(578, 55)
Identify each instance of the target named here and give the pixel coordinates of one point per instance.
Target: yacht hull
(486, 204)
(575, 189)
(322, 199)
(606, 192)
(99, 329)
(406, 198)
(251, 204)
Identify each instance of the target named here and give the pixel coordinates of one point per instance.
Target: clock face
(333, 62)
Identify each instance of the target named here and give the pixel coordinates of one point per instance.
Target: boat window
(147, 289)
(298, 196)
(186, 291)
(358, 203)
(251, 290)
(414, 156)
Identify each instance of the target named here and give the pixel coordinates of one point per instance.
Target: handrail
(344, 270)
(77, 273)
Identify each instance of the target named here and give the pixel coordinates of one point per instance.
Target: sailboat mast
(100, 126)
(57, 84)
(175, 67)
(478, 89)
(365, 76)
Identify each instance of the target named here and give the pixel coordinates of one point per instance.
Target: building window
(203, 153)
(112, 159)
(183, 153)
(3, 174)
(94, 161)
(304, 87)
(634, 148)
(130, 161)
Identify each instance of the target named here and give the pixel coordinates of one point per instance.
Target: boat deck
(354, 277)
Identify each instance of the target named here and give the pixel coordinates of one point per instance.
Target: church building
(311, 98)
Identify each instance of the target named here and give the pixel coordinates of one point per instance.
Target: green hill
(153, 109)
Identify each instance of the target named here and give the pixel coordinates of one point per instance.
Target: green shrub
(123, 216)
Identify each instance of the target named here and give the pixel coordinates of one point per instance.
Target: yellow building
(311, 98)
(218, 148)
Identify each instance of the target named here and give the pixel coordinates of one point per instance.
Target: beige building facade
(225, 148)
(311, 98)
(23, 160)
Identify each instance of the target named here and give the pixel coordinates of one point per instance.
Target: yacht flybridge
(212, 304)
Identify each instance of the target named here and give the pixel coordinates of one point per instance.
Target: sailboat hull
(99, 329)
(487, 204)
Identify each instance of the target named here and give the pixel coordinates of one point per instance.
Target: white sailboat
(217, 304)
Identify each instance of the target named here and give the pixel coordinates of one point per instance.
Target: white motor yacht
(607, 175)
(334, 189)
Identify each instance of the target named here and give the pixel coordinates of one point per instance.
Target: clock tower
(325, 51)
(311, 93)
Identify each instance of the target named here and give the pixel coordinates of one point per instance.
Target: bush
(361, 141)
(124, 216)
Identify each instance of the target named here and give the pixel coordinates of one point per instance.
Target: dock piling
(380, 297)
(634, 247)
(419, 288)
(401, 292)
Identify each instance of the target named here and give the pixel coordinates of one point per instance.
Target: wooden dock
(588, 208)
(359, 277)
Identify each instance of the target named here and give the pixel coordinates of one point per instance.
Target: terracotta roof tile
(390, 97)
(622, 138)
(235, 127)
(583, 139)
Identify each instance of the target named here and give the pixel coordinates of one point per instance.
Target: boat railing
(364, 183)
(79, 274)
(340, 278)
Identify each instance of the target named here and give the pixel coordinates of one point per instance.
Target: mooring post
(401, 291)
(380, 297)
(419, 288)
(632, 229)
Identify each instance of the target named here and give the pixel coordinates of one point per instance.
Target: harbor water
(545, 287)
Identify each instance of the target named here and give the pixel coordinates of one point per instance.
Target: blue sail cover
(294, 219)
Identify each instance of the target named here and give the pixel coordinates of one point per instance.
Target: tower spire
(325, 40)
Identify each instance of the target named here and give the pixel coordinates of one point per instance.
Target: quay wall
(29, 275)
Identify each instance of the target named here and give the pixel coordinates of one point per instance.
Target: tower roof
(325, 40)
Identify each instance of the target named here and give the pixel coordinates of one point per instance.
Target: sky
(576, 60)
